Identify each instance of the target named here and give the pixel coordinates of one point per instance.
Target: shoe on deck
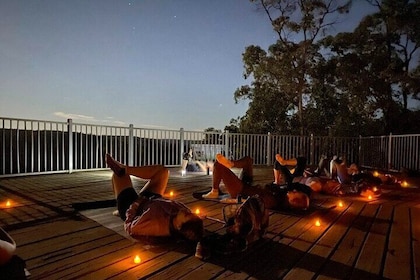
(212, 194)
(116, 213)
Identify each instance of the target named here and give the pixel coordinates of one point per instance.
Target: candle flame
(318, 223)
(376, 173)
(340, 204)
(8, 203)
(404, 184)
(137, 259)
(370, 197)
(171, 193)
(197, 211)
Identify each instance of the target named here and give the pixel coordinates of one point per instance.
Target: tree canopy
(347, 84)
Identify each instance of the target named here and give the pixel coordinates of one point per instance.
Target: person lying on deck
(273, 197)
(148, 213)
(192, 165)
(345, 181)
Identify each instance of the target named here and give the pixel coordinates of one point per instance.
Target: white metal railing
(391, 152)
(39, 147)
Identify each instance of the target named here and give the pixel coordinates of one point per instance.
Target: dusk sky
(150, 63)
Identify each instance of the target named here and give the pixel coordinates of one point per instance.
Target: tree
(282, 77)
(370, 67)
(399, 22)
(212, 135)
(233, 126)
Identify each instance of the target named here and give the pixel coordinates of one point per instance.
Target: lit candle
(137, 259)
(340, 204)
(318, 223)
(171, 194)
(404, 184)
(376, 173)
(197, 211)
(8, 203)
(370, 197)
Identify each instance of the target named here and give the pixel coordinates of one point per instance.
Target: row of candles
(383, 177)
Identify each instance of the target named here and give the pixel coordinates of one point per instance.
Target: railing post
(70, 150)
(227, 145)
(131, 145)
(181, 141)
(268, 155)
(390, 152)
(359, 153)
(312, 150)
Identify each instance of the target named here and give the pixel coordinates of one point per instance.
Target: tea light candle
(340, 204)
(137, 259)
(317, 223)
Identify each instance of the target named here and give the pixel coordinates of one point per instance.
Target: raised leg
(245, 163)
(157, 175)
(232, 183)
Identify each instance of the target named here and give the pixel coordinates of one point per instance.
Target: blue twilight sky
(150, 63)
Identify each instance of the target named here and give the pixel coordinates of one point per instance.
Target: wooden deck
(360, 240)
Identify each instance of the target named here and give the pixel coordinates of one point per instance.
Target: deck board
(361, 240)
(398, 251)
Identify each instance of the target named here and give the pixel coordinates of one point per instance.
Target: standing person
(273, 196)
(148, 213)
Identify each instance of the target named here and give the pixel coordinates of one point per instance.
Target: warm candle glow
(137, 259)
(318, 223)
(171, 193)
(374, 189)
(340, 204)
(370, 197)
(376, 173)
(197, 211)
(404, 184)
(8, 203)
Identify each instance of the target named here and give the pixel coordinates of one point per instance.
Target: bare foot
(224, 161)
(114, 165)
(280, 159)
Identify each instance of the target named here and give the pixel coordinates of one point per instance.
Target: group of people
(148, 213)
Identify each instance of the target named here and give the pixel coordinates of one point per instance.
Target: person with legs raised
(148, 213)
